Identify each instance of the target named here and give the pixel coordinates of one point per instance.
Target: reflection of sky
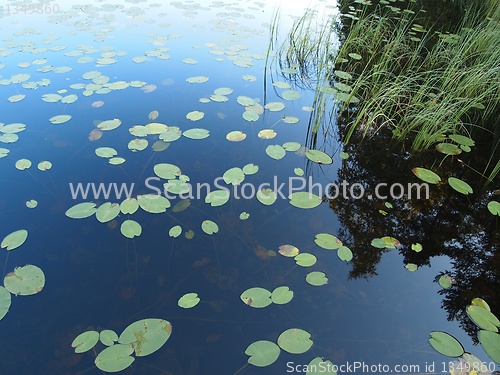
(91, 268)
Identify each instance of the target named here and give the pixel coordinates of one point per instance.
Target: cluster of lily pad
(480, 313)
(23, 281)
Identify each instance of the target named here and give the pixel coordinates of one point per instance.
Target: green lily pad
(188, 300)
(217, 197)
(195, 115)
(256, 297)
(81, 210)
(131, 228)
(105, 152)
(295, 341)
(4, 152)
(483, 318)
(303, 199)
(462, 140)
(275, 151)
(197, 79)
(305, 260)
(137, 144)
(109, 124)
(177, 187)
(85, 341)
(60, 119)
(412, 267)
(31, 203)
(327, 241)
(490, 341)
(189, 234)
(448, 149)
(266, 196)
(445, 281)
(344, 155)
(146, 336)
(262, 353)
(108, 337)
(250, 169)
(25, 281)
(460, 186)
(129, 206)
(5, 301)
(245, 101)
(9, 138)
(281, 295)
(23, 164)
(266, 134)
(494, 208)
(298, 171)
(316, 278)
(275, 106)
(416, 247)
(344, 253)
(234, 176)
(107, 212)
(319, 157)
(426, 175)
(209, 227)
(44, 165)
(446, 344)
(16, 98)
(319, 366)
(115, 358)
(14, 240)
(288, 251)
(175, 231)
(13, 128)
(153, 203)
(342, 74)
(244, 215)
(250, 116)
(290, 95)
(291, 146)
(181, 205)
(167, 171)
(281, 85)
(116, 161)
(196, 133)
(236, 136)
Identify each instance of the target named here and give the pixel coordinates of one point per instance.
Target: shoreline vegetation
(424, 86)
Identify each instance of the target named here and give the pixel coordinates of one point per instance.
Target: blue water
(97, 279)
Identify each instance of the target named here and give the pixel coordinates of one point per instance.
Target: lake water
(96, 278)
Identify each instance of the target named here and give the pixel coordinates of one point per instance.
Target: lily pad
(291, 146)
(109, 124)
(344, 253)
(446, 344)
(316, 278)
(25, 281)
(81, 210)
(304, 199)
(483, 318)
(60, 119)
(23, 164)
(288, 251)
(266, 134)
(462, 140)
(275, 106)
(131, 228)
(319, 157)
(175, 231)
(319, 366)
(305, 260)
(236, 136)
(107, 212)
(153, 203)
(209, 227)
(105, 152)
(234, 176)
(412, 267)
(426, 175)
(250, 169)
(262, 353)
(256, 297)
(196, 133)
(5, 301)
(31, 203)
(167, 171)
(295, 341)
(85, 341)
(14, 240)
(494, 208)
(44, 165)
(115, 358)
(250, 116)
(217, 197)
(490, 341)
(244, 215)
(416, 247)
(108, 337)
(275, 151)
(281, 295)
(266, 196)
(327, 241)
(460, 186)
(195, 115)
(188, 300)
(146, 336)
(129, 206)
(448, 148)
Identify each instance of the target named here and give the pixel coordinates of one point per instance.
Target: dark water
(97, 279)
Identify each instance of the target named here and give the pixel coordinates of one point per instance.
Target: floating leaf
(462, 140)
(81, 210)
(5, 301)
(236, 136)
(115, 358)
(209, 227)
(490, 341)
(181, 205)
(153, 115)
(342, 74)
(188, 300)
(25, 281)
(14, 240)
(319, 366)
(266, 134)
(446, 344)
(31, 203)
(108, 337)
(16, 98)
(275, 151)
(197, 79)
(319, 157)
(295, 341)
(298, 171)
(167, 171)
(416, 247)
(344, 155)
(256, 297)
(250, 169)
(175, 231)
(275, 106)
(412, 267)
(146, 336)
(445, 281)
(460, 186)
(494, 208)
(153, 203)
(290, 95)
(448, 149)
(195, 115)
(291, 146)
(305, 260)
(316, 278)
(304, 199)
(196, 133)
(266, 196)
(4, 152)
(129, 206)
(131, 228)
(137, 144)
(483, 318)
(354, 56)
(85, 341)
(344, 253)
(327, 241)
(44, 165)
(23, 164)
(262, 353)
(281, 295)
(116, 161)
(244, 215)
(250, 116)
(60, 119)
(217, 197)
(189, 234)
(105, 152)
(426, 175)
(12, 128)
(177, 187)
(107, 212)
(288, 251)
(234, 176)
(109, 124)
